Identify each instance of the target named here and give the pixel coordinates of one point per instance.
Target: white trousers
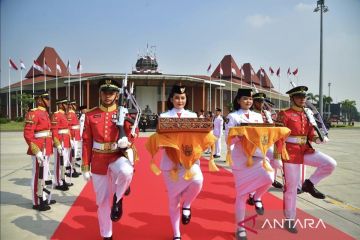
(35, 177)
(57, 168)
(182, 190)
(324, 164)
(117, 180)
(218, 146)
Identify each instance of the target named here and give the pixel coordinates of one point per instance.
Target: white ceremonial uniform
(218, 132)
(185, 190)
(247, 179)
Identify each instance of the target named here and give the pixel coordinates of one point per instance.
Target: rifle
(315, 118)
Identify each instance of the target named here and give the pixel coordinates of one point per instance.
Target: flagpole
(210, 95)
(80, 84)
(44, 73)
(33, 85)
(21, 93)
(279, 92)
(68, 68)
(9, 102)
(241, 75)
(56, 77)
(231, 83)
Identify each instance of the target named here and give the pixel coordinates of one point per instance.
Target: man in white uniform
(218, 132)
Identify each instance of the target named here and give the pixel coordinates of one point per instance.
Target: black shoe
(238, 237)
(250, 200)
(290, 226)
(184, 218)
(63, 187)
(299, 191)
(68, 184)
(308, 186)
(107, 238)
(52, 201)
(277, 184)
(216, 156)
(116, 209)
(176, 238)
(259, 210)
(127, 192)
(42, 205)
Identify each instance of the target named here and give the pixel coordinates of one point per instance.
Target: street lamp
(323, 9)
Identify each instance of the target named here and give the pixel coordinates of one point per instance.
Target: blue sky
(108, 34)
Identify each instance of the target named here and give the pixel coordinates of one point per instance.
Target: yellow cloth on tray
(256, 137)
(181, 147)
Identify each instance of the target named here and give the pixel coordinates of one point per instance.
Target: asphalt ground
(341, 208)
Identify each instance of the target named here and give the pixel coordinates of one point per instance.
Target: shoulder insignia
(92, 109)
(33, 109)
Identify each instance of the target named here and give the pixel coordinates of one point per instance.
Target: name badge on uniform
(97, 116)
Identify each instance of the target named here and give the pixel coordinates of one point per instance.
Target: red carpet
(146, 213)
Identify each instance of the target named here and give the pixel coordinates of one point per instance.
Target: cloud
(258, 20)
(303, 7)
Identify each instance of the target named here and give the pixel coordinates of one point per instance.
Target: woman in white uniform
(181, 193)
(247, 179)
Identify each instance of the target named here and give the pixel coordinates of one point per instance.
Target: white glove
(87, 176)
(60, 150)
(123, 142)
(318, 141)
(40, 156)
(277, 164)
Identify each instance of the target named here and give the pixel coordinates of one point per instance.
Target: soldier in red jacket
(75, 140)
(61, 136)
(300, 152)
(109, 159)
(37, 135)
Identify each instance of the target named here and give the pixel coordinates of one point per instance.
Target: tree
(348, 109)
(311, 97)
(27, 101)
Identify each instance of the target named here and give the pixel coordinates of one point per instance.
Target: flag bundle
(12, 65)
(37, 66)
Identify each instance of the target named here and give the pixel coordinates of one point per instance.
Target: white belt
(105, 146)
(301, 140)
(64, 131)
(75, 127)
(42, 134)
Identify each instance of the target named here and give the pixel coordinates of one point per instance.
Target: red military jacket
(100, 127)
(74, 125)
(60, 123)
(37, 122)
(295, 119)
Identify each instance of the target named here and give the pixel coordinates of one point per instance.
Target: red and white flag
(271, 71)
(46, 67)
(209, 68)
(79, 67)
(288, 72)
(68, 66)
(37, 66)
(262, 71)
(22, 65)
(221, 71)
(58, 68)
(295, 71)
(12, 65)
(242, 71)
(233, 71)
(278, 72)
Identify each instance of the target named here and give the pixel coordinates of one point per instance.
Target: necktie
(179, 114)
(246, 115)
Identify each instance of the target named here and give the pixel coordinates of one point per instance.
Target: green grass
(12, 126)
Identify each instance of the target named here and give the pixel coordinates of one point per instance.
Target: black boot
(250, 200)
(107, 238)
(240, 235)
(308, 186)
(42, 206)
(116, 209)
(277, 184)
(127, 192)
(185, 219)
(290, 226)
(63, 187)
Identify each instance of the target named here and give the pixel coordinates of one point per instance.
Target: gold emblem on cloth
(264, 139)
(187, 149)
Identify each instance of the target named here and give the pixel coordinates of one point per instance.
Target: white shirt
(166, 164)
(82, 122)
(218, 126)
